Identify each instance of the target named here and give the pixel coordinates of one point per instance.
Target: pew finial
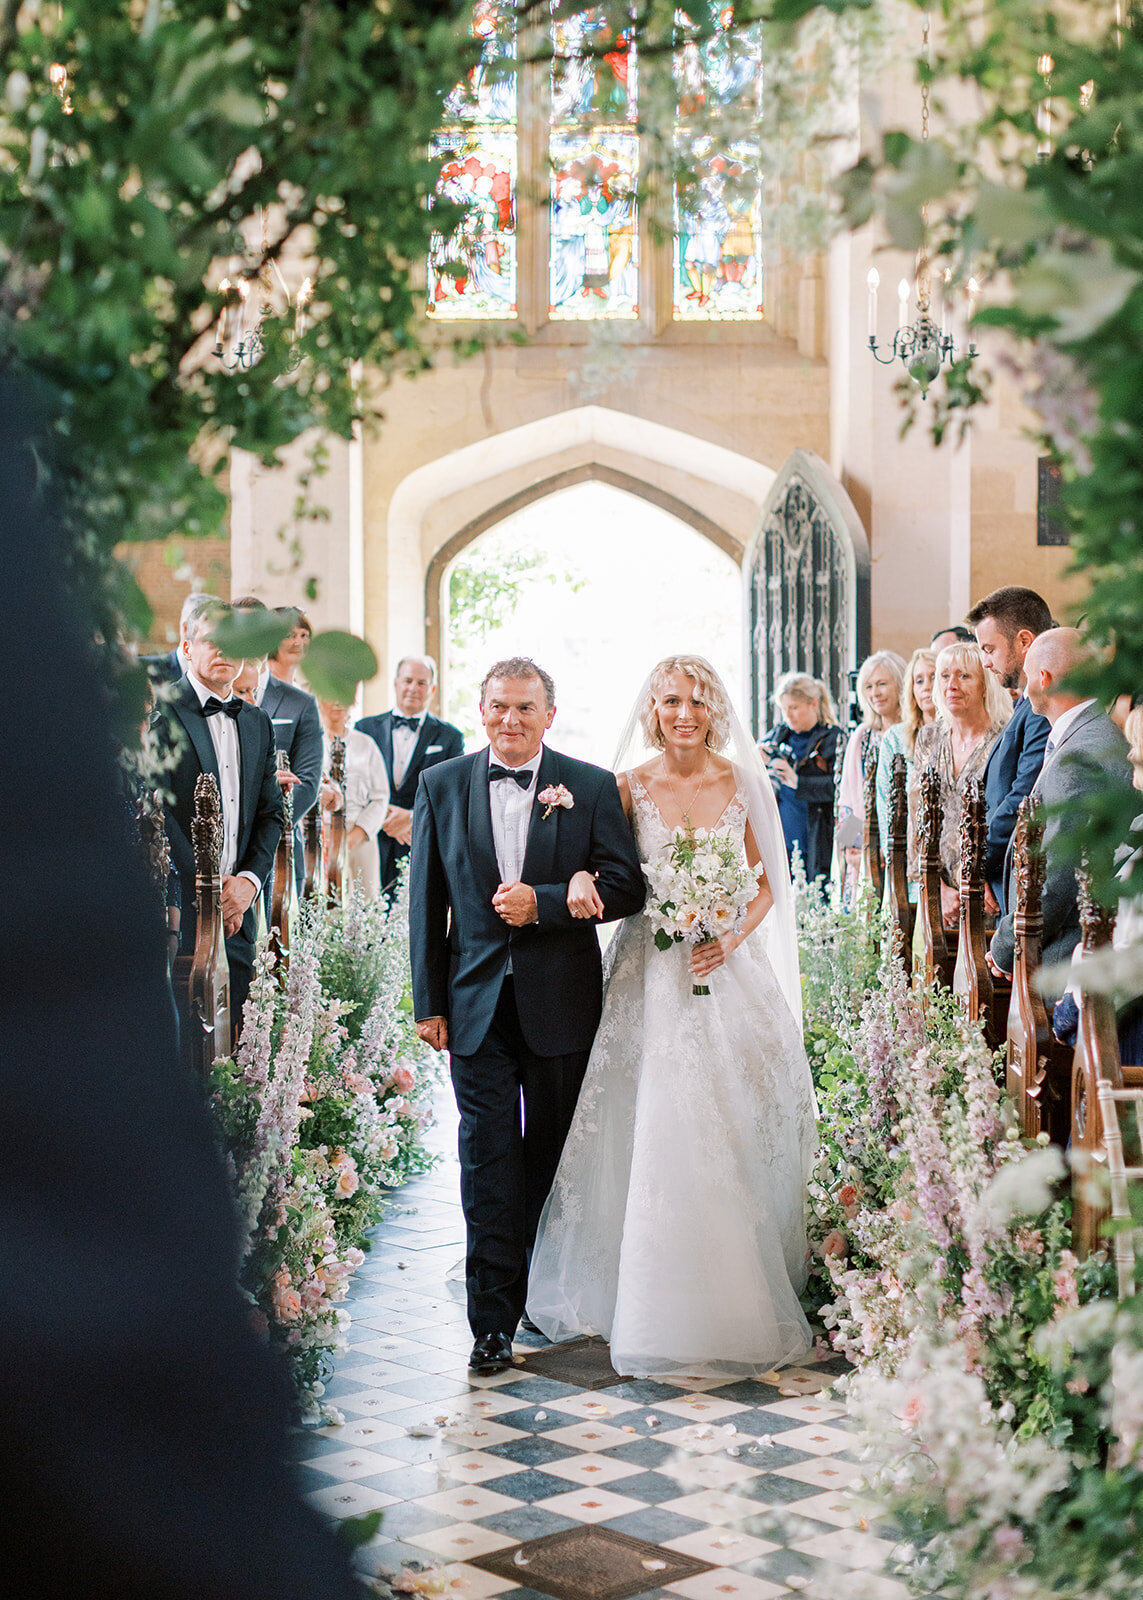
(972, 827)
(207, 827)
(1097, 921)
(931, 813)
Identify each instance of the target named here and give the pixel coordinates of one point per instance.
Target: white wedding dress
(675, 1226)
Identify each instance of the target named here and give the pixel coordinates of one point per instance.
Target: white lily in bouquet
(701, 885)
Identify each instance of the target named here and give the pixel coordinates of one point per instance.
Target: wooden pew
(1096, 1060)
(872, 863)
(282, 892)
(985, 997)
(1120, 1175)
(1030, 1047)
(336, 864)
(203, 977)
(311, 852)
(935, 948)
(901, 910)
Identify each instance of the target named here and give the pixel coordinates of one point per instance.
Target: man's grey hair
(520, 667)
(211, 612)
(195, 605)
(424, 661)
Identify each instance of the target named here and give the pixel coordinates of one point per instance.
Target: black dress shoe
(530, 1327)
(491, 1353)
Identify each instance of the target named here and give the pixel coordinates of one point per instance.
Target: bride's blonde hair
(713, 697)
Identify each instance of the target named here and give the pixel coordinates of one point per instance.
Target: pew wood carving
(972, 976)
(1030, 1080)
(336, 865)
(205, 975)
(872, 864)
(897, 859)
(311, 852)
(934, 946)
(282, 893)
(1096, 1060)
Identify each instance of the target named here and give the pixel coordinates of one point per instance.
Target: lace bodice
(652, 832)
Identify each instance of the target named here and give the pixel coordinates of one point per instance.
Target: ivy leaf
(1011, 218)
(1081, 289)
(249, 635)
(336, 663)
(925, 172)
(356, 1531)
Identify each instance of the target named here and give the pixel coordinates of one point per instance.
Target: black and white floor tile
(519, 1484)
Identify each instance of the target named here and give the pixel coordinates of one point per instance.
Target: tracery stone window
(567, 124)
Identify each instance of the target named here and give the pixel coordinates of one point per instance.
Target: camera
(780, 752)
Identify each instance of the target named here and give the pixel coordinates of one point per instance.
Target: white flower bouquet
(701, 884)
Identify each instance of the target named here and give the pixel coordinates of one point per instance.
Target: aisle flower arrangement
(321, 1111)
(996, 1383)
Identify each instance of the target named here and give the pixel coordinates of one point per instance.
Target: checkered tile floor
(748, 1477)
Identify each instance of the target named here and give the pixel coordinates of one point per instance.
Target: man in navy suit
(1006, 623)
(169, 668)
(505, 976)
(234, 742)
(297, 731)
(411, 741)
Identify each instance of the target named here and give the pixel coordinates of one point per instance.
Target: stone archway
(445, 504)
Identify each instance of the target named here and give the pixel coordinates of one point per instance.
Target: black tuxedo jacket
(164, 669)
(260, 810)
(437, 741)
(459, 945)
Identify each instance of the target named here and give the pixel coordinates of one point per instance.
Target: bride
(675, 1225)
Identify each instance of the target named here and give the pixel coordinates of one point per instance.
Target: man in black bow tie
(234, 742)
(506, 976)
(411, 740)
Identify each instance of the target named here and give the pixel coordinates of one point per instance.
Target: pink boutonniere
(555, 797)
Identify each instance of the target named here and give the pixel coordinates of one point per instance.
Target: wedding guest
(169, 668)
(1128, 917)
(209, 730)
(411, 741)
(972, 711)
(146, 1428)
(288, 657)
(955, 633)
(1086, 755)
(365, 798)
(245, 686)
(800, 751)
(880, 681)
(918, 710)
(1006, 622)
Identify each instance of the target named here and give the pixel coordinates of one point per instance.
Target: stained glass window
(718, 197)
(472, 267)
(594, 154)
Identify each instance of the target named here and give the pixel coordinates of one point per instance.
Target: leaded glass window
(718, 195)
(594, 155)
(472, 267)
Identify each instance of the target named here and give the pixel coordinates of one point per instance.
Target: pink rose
(347, 1182)
(913, 1411)
(835, 1243)
(403, 1079)
(287, 1304)
(847, 1194)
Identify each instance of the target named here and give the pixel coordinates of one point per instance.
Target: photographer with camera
(799, 752)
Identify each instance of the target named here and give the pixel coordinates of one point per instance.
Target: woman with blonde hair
(918, 710)
(800, 751)
(880, 683)
(972, 710)
(682, 1239)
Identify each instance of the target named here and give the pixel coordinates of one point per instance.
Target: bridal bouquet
(701, 884)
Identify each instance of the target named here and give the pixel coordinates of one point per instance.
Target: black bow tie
(412, 723)
(522, 776)
(212, 706)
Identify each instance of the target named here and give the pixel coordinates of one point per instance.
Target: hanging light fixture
(921, 345)
(247, 300)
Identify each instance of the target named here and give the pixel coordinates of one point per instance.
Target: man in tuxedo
(1086, 754)
(169, 668)
(234, 742)
(506, 975)
(297, 731)
(1006, 623)
(411, 741)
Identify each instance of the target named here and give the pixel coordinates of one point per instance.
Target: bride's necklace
(694, 797)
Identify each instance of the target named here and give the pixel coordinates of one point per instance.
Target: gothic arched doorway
(807, 584)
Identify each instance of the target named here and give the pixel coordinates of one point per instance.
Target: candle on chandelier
(305, 295)
(223, 331)
(874, 282)
(945, 281)
(243, 287)
(1044, 109)
(903, 292)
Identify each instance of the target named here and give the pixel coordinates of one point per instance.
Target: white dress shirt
(262, 685)
(404, 743)
(511, 814)
(224, 737)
